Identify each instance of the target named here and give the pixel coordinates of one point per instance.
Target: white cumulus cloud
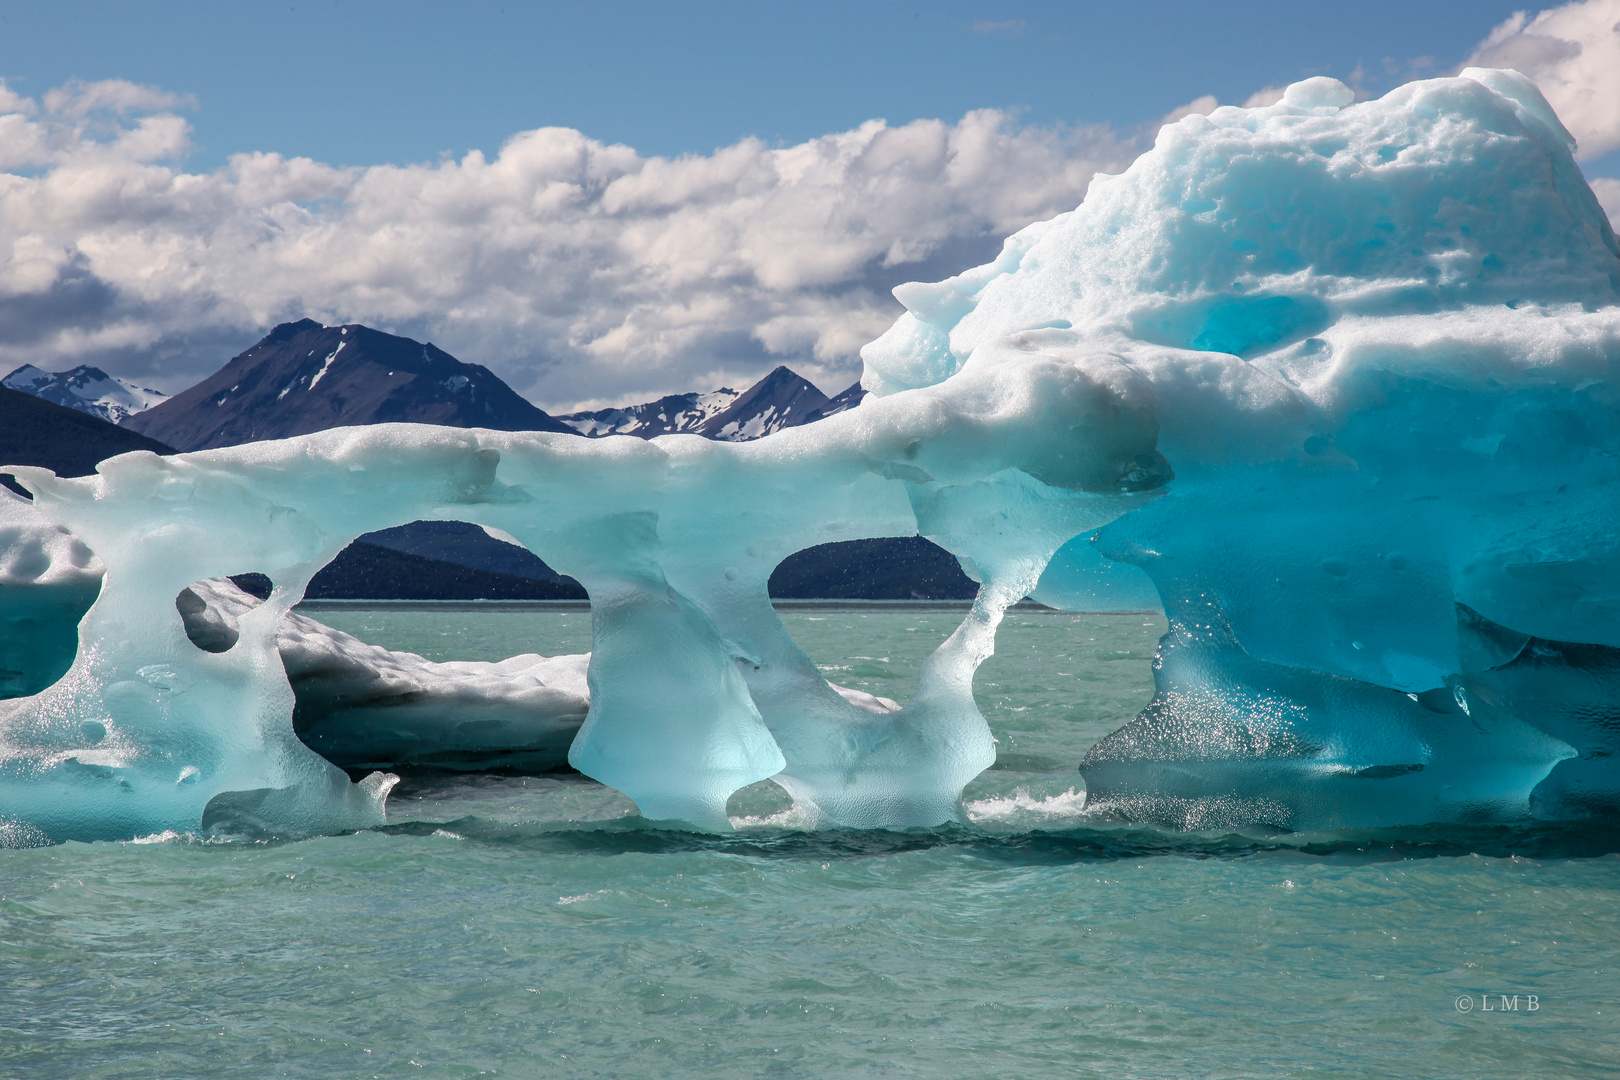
(578, 271)
(1269, 95)
(1608, 195)
(78, 99)
(582, 273)
(1199, 106)
(1573, 54)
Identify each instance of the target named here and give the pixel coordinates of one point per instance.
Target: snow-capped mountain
(676, 414)
(85, 388)
(306, 377)
(782, 399)
(69, 441)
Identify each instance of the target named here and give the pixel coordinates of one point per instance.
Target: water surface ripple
(534, 927)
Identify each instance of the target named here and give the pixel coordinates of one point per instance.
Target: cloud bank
(581, 272)
(1573, 54)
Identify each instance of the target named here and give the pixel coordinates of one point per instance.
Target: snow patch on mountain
(327, 364)
(676, 414)
(782, 399)
(85, 388)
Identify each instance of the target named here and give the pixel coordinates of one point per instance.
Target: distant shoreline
(584, 605)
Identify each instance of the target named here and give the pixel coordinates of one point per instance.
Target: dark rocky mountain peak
(305, 377)
(848, 398)
(780, 400)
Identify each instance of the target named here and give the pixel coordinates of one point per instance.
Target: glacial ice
(1328, 381)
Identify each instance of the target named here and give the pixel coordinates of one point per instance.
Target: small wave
(1020, 807)
(583, 896)
(794, 819)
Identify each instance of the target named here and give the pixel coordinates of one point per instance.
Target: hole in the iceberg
(1057, 682)
(871, 651)
(764, 803)
(399, 659)
(445, 687)
(255, 585)
(440, 560)
(209, 610)
(887, 568)
(870, 612)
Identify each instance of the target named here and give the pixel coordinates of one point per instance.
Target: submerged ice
(1329, 381)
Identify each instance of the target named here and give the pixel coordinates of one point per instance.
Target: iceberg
(1327, 381)
(357, 705)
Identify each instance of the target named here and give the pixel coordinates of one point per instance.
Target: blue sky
(605, 203)
(361, 82)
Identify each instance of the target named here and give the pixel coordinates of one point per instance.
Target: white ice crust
(36, 552)
(1372, 341)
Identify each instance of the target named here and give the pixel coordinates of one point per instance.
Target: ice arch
(696, 689)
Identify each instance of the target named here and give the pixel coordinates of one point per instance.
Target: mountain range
(85, 388)
(782, 399)
(304, 376)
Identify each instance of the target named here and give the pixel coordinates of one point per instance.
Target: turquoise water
(520, 927)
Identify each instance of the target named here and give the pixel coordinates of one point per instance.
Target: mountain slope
(372, 572)
(464, 545)
(850, 397)
(70, 442)
(306, 377)
(85, 388)
(888, 568)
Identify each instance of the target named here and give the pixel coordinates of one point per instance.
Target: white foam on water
(1026, 810)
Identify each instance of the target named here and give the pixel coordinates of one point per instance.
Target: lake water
(535, 927)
